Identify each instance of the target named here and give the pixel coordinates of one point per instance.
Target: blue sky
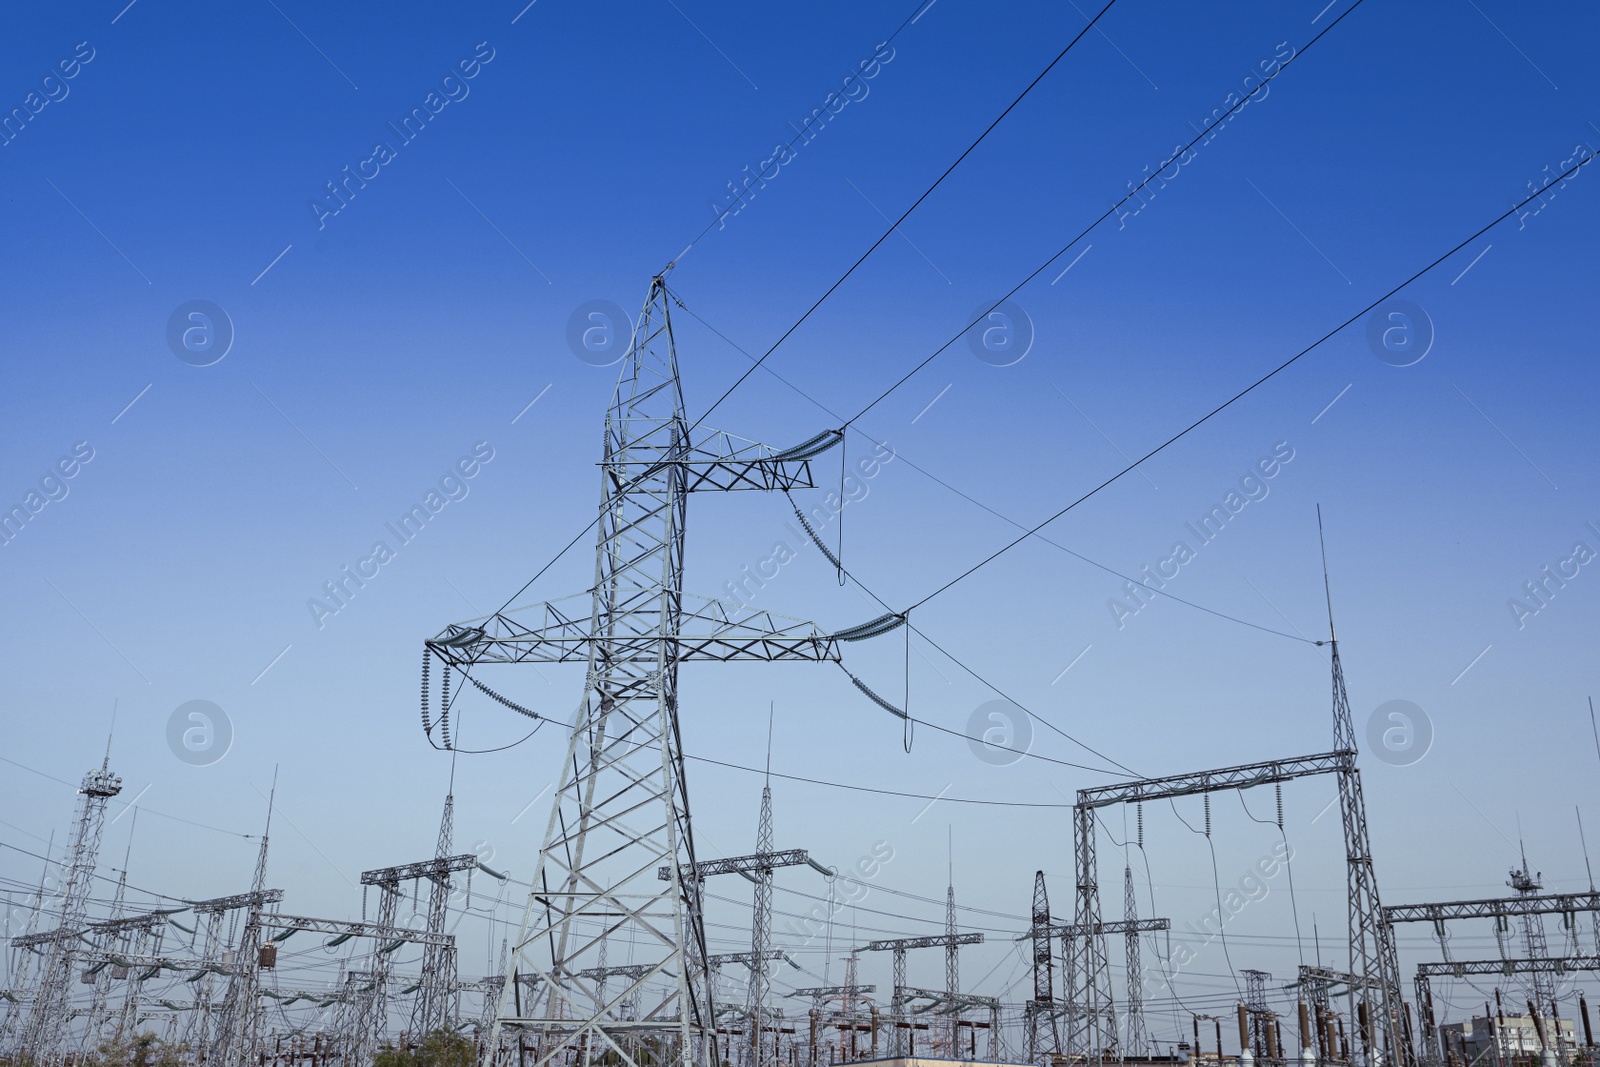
(375, 347)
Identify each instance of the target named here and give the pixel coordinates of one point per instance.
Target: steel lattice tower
(1044, 1040)
(1138, 1042)
(952, 963)
(1543, 982)
(44, 1033)
(239, 1022)
(1091, 1011)
(761, 934)
(621, 810)
(438, 999)
(1372, 952)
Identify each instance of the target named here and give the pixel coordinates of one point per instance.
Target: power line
(900, 457)
(1176, 155)
(1257, 383)
(895, 225)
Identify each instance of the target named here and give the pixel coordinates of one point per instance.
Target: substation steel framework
(44, 1033)
(1372, 953)
(1551, 966)
(1529, 907)
(622, 806)
(899, 946)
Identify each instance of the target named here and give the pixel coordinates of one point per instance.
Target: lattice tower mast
(1044, 1038)
(239, 1022)
(1138, 1043)
(44, 1033)
(1543, 982)
(438, 1001)
(1372, 951)
(622, 807)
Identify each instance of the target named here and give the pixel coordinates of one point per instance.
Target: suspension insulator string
(1208, 814)
(427, 724)
(1278, 786)
(843, 451)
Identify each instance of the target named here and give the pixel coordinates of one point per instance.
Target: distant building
(1515, 1035)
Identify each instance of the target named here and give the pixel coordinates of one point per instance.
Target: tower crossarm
(1244, 776)
(746, 958)
(283, 923)
(1494, 908)
(931, 941)
(625, 970)
(834, 991)
(435, 868)
(955, 1001)
(754, 863)
(559, 632)
(44, 937)
(217, 905)
(1120, 926)
(1540, 965)
(1323, 978)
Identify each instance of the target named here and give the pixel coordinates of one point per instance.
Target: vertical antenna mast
(1373, 959)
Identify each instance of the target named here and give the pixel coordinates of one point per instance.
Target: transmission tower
(622, 781)
(1528, 885)
(899, 946)
(43, 1035)
(239, 1023)
(1385, 1037)
(1138, 1042)
(438, 1000)
(1044, 1039)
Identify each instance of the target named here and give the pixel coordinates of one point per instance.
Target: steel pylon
(1385, 1038)
(621, 810)
(44, 1034)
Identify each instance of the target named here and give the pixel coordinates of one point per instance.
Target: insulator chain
(1208, 814)
(444, 707)
(1139, 809)
(497, 698)
(427, 724)
(1278, 786)
(817, 540)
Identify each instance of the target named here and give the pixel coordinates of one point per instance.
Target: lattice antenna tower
(621, 810)
(43, 1035)
(239, 1021)
(1138, 1041)
(438, 1001)
(1527, 884)
(1044, 1037)
(1372, 951)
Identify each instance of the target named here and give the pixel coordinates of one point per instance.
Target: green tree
(441, 1048)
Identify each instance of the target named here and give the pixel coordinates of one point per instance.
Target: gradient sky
(375, 347)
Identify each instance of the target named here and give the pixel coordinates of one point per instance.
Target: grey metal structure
(1547, 968)
(43, 1035)
(622, 805)
(900, 946)
(943, 1003)
(1041, 1012)
(197, 1033)
(437, 1000)
(1136, 1040)
(1372, 953)
(239, 1023)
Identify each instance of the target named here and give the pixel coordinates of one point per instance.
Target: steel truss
(622, 806)
(1386, 1038)
(44, 1033)
(1546, 966)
